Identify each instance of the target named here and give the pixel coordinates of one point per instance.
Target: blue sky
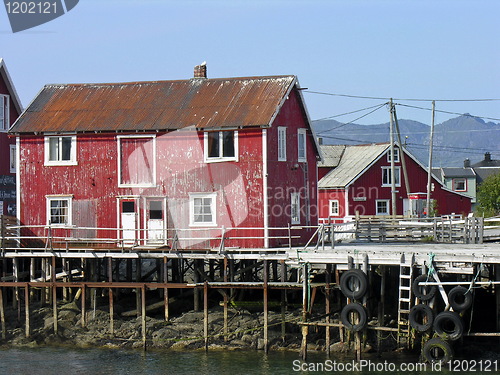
(446, 49)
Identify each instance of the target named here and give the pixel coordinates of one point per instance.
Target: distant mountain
(454, 140)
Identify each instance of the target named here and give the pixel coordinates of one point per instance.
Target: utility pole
(431, 138)
(393, 176)
(402, 155)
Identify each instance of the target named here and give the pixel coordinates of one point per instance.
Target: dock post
(111, 304)
(27, 309)
(224, 276)
(283, 300)
(84, 310)
(165, 290)
(54, 293)
(143, 315)
(205, 313)
(138, 276)
(266, 316)
(305, 328)
(196, 291)
(2, 314)
(381, 306)
(328, 280)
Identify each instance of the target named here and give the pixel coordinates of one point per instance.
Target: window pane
(66, 148)
(59, 212)
(128, 207)
(155, 210)
(213, 145)
(54, 149)
(302, 144)
(228, 144)
(2, 112)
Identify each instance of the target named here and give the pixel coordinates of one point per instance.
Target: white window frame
(120, 182)
(219, 159)
(5, 113)
(459, 179)
(295, 208)
(302, 134)
(396, 154)
(281, 143)
(333, 207)
(213, 208)
(72, 160)
(388, 205)
(12, 162)
(69, 200)
(397, 171)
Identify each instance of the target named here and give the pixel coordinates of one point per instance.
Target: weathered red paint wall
(324, 198)
(180, 170)
(286, 177)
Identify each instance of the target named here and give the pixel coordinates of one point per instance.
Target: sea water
(43, 361)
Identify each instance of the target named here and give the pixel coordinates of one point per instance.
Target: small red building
(170, 161)
(10, 109)
(357, 180)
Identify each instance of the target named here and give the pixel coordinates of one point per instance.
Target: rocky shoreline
(181, 332)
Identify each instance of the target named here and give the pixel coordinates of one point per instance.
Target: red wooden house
(10, 109)
(170, 161)
(357, 180)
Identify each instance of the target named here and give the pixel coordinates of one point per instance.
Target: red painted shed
(170, 161)
(357, 180)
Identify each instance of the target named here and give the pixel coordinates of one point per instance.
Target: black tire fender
(437, 350)
(361, 315)
(460, 298)
(429, 290)
(418, 315)
(356, 278)
(448, 325)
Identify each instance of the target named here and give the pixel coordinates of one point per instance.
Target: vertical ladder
(404, 304)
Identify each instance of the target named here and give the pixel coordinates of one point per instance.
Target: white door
(406, 207)
(128, 214)
(155, 220)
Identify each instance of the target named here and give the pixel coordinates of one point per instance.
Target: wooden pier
(50, 269)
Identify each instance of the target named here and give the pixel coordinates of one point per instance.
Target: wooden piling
(165, 290)
(283, 301)
(27, 310)
(84, 310)
(328, 280)
(224, 275)
(138, 276)
(54, 293)
(143, 315)
(111, 303)
(2, 315)
(205, 314)
(266, 312)
(305, 328)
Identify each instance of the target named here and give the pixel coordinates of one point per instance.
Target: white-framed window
(295, 208)
(396, 155)
(12, 161)
(281, 143)
(221, 146)
(202, 209)
(60, 150)
(59, 210)
(137, 160)
(382, 206)
(334, 207)
(459, 184)
(386, 176)
(301, 145)
(4, 113)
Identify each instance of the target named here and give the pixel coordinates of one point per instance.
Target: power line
(348, 113)
(350, 122)
(404, 99)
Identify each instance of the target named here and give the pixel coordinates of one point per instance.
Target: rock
(340, 347)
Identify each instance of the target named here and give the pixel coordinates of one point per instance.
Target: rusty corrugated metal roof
(160, 105)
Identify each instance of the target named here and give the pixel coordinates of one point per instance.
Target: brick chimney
(466, 163)
(200, 71)
(487, 156)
